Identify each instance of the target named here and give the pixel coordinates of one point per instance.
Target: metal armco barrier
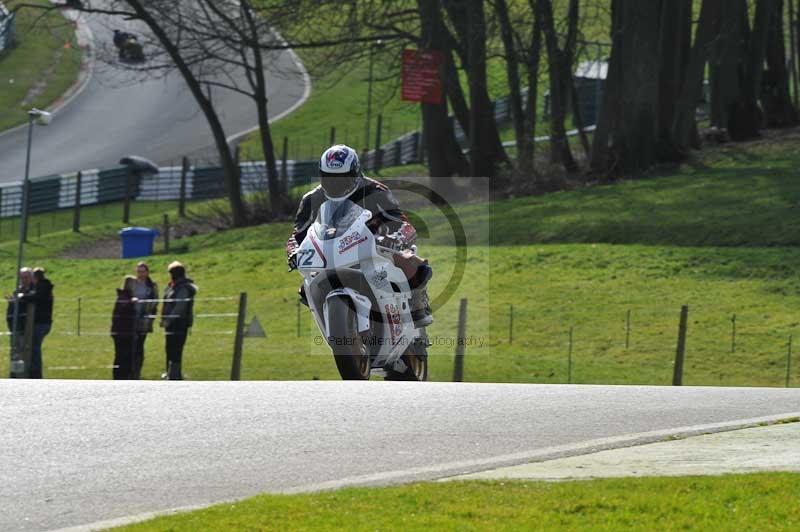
(50, 193)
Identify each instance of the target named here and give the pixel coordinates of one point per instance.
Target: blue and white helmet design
(339, 159)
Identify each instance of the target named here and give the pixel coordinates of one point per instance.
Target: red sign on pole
(420, 75)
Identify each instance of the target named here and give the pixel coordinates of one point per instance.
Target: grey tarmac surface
(118, 114)
(80, 452)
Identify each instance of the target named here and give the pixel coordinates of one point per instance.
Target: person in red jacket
(341, 177)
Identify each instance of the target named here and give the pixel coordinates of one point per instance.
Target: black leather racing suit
(387, 218)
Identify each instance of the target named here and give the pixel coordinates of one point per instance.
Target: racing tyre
(416, 361)
(349, 349)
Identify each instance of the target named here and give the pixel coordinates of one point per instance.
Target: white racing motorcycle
(359, 298)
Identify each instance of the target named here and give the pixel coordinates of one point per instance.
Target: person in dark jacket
(145, 291)
(177, 316)
(123, 330)
(41, 295)
(25, 284)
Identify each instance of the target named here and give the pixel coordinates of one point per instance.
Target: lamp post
(376, 44)
(43, 118)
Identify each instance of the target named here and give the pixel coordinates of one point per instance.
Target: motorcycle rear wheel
(349, 350)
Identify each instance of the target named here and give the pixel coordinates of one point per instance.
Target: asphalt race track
(118, 114)
(81, 452)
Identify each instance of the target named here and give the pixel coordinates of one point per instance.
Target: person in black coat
(41, 295)
(177, 315)
(123, 330)
(25, 284)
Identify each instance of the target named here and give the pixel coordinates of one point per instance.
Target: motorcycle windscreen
(335, 218)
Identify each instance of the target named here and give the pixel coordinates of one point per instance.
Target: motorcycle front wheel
(349, 349)
(416, 360)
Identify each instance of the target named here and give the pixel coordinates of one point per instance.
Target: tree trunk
(737, 68)
(444, 153)
(277, 200)
(625, 140)
(532, 65)
(515, 94)
(230, 169)
(684, 124)
(560, 151)
(674, 46)
(775, 97)
(486, 150)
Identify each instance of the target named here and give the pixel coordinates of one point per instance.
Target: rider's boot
(420, 306)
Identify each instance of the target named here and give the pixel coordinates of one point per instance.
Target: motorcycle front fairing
(339, 257)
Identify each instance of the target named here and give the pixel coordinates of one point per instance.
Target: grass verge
(733, 502)
(43, 65)
(716, 235)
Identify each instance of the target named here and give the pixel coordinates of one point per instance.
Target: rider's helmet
(339, 171)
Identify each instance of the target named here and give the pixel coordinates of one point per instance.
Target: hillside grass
(716, 235)
(42, 58)
(732, 502)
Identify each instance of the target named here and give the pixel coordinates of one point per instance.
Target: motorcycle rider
(341, 178)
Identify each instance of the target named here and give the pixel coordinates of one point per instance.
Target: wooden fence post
(78, 327)
(166, 233)
(569, 359)
(511, 324)
(789, 363)
(628, 330)
(733, 334)
(285, 164)
(378, 152)
(298, 318)
(76, 213)
(126, 208)
(677, 376)
(236, 367)
(182, 192)
(458, 362)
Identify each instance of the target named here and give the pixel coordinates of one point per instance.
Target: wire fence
(636, 344)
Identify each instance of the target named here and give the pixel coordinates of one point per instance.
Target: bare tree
(444, 154)
(560, 80)
(514, 86)
(779, 111)
(684, 124)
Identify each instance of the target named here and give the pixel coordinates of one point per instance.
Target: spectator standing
(40, 295)
(145, 291)
(123, 330)
(177, 316)
(25, 284)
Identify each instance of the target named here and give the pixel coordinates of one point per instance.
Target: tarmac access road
(117, 113)
(82, 452)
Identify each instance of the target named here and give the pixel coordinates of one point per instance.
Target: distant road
(157, 119)
(79, 452)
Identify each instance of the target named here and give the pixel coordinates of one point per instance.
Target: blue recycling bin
(137, 241)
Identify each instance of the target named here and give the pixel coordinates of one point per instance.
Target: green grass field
(40, 68)
(733, 502)
(718, 235)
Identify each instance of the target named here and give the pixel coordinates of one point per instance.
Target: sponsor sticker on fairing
(350, 241)
(395, 326)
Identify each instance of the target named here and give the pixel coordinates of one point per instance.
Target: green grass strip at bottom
(751, 502)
